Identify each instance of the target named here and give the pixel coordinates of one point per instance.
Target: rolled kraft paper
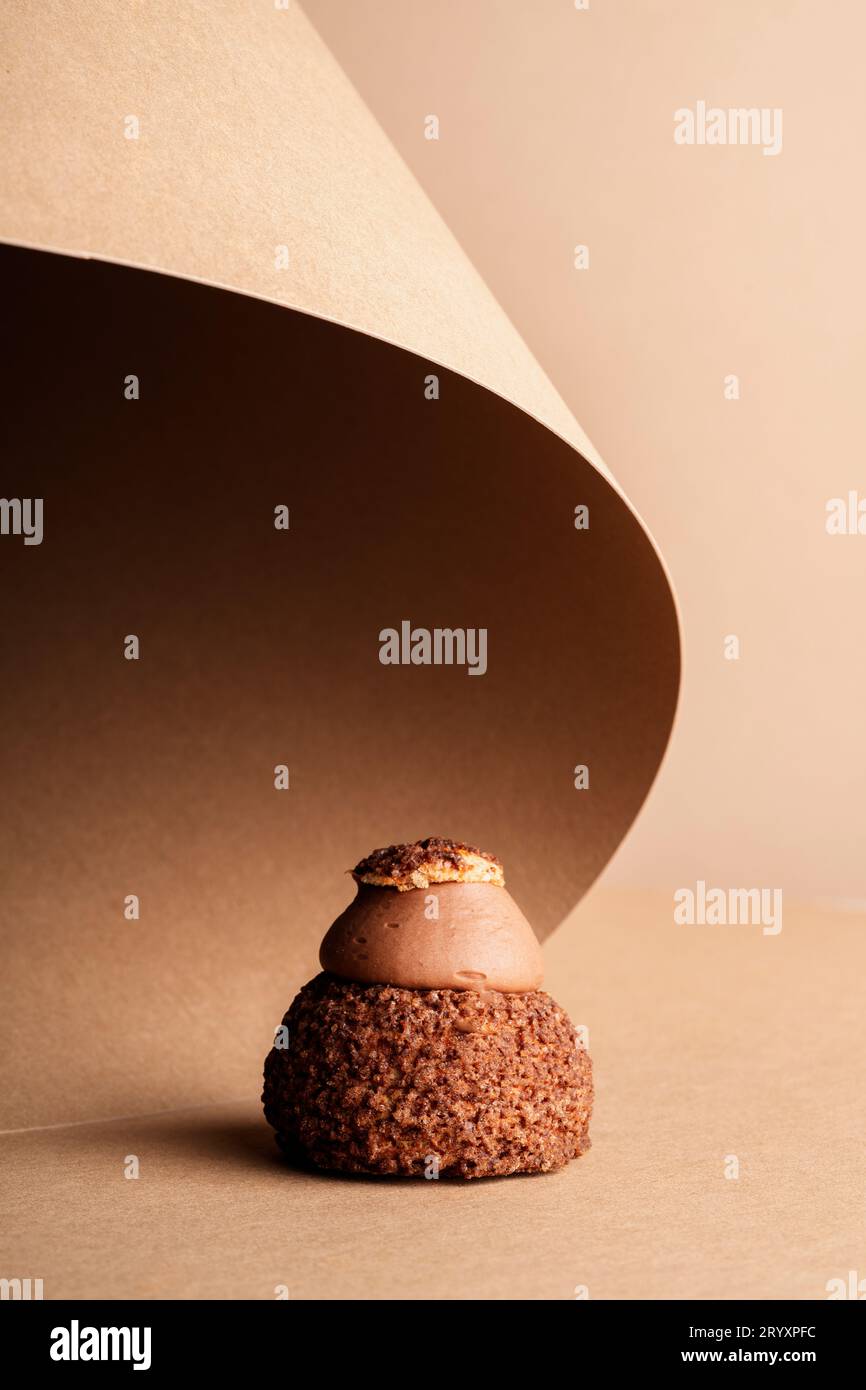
(446, 509)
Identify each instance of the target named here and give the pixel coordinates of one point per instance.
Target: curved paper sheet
(261, 647)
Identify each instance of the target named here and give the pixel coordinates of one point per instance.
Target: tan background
(556, 129)
(707, 1042)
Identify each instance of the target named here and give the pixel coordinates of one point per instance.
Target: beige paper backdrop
(556, 128)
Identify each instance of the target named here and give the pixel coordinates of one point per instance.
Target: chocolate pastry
(426, 1047)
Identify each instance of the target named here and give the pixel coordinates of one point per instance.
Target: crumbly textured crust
(428, 861)
(378, 1079)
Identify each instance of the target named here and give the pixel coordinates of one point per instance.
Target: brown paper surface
(692, 1067)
